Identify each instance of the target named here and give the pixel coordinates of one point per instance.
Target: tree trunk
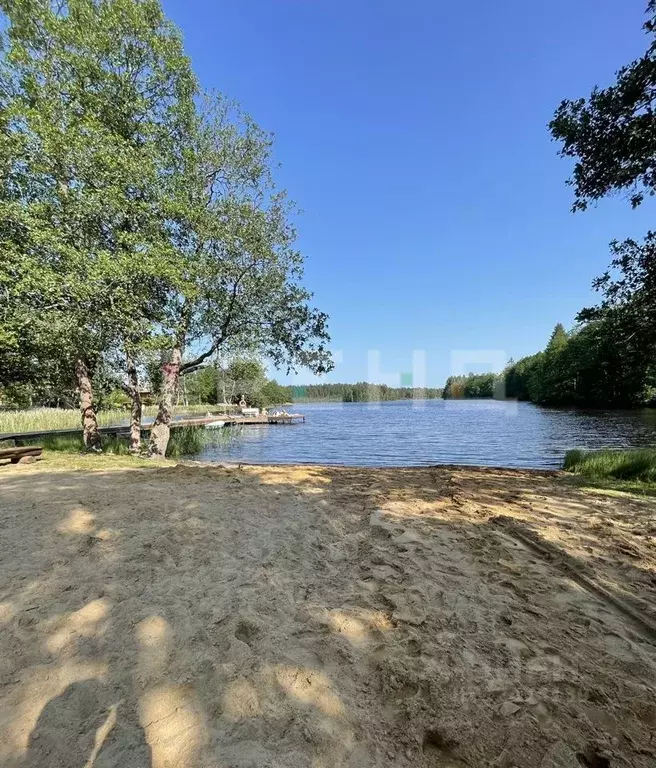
(90, 432)
(135, 411)
(225, 392)
(159, 434)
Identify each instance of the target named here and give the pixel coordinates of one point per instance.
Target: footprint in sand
(438, 750)
(382, 525)
(383, 573)
(247, 631)
(409, 606)
(619, 646)
(407, 540)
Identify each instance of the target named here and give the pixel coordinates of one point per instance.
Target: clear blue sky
(413, 135)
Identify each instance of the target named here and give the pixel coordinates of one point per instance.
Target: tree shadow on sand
(83, 727)
(309, 616)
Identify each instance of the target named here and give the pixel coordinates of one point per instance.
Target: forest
(247, 379)
(360, 392)
(586, 367)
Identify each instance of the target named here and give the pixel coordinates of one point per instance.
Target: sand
(305, 616)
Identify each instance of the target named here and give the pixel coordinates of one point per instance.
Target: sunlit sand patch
(7, 612)
(174, 725)
(79, 521)
(359, 627)
(241, 701)
(87, 622)
(106, 534)
(316, 491)
(310, 687)
(155, 639)
(294, 476)
(102, 733)
(355, 629)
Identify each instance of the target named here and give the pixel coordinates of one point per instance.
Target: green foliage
(229, 383)
(246, 377)
(637, 464)
(612, 137)
(115, 446)
(116, 399)
(558, 340)
(628, 308)
(270, 394)
(41, 419)
(554, 379)
(473, 386)
(93, 95)
(249, 380)
(361, 392)
(135, 219)
(588, 368)
(235, 243)
(202, 386)
(152, 365)
(612, 133)
(521, 378)
(185, 441)
(190, 441)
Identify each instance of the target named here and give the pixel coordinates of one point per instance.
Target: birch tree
(233, 231)
(95, 94)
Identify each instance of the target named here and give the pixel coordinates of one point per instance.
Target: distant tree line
(360, 392)
(596, 365)
(474, 385)
(246, 378)
(601, 363)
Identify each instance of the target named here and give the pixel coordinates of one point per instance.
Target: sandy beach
(206, 617)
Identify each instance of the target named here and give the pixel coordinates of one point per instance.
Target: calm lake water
(428, 432)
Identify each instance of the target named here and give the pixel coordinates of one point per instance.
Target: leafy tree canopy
(612, 133)
(93, 95)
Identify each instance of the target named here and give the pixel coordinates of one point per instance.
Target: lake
(408, 433)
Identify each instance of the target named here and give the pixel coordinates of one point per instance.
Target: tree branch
(193, 364)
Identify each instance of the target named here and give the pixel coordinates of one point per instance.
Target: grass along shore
(632, 470)
(36, 419)
(184, 441)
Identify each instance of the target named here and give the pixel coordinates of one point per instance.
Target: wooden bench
(249, 412)
(15, 455)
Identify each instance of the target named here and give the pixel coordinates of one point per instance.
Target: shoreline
(540, 471)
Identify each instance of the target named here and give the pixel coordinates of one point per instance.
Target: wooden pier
(231, 421)
(124, 429)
